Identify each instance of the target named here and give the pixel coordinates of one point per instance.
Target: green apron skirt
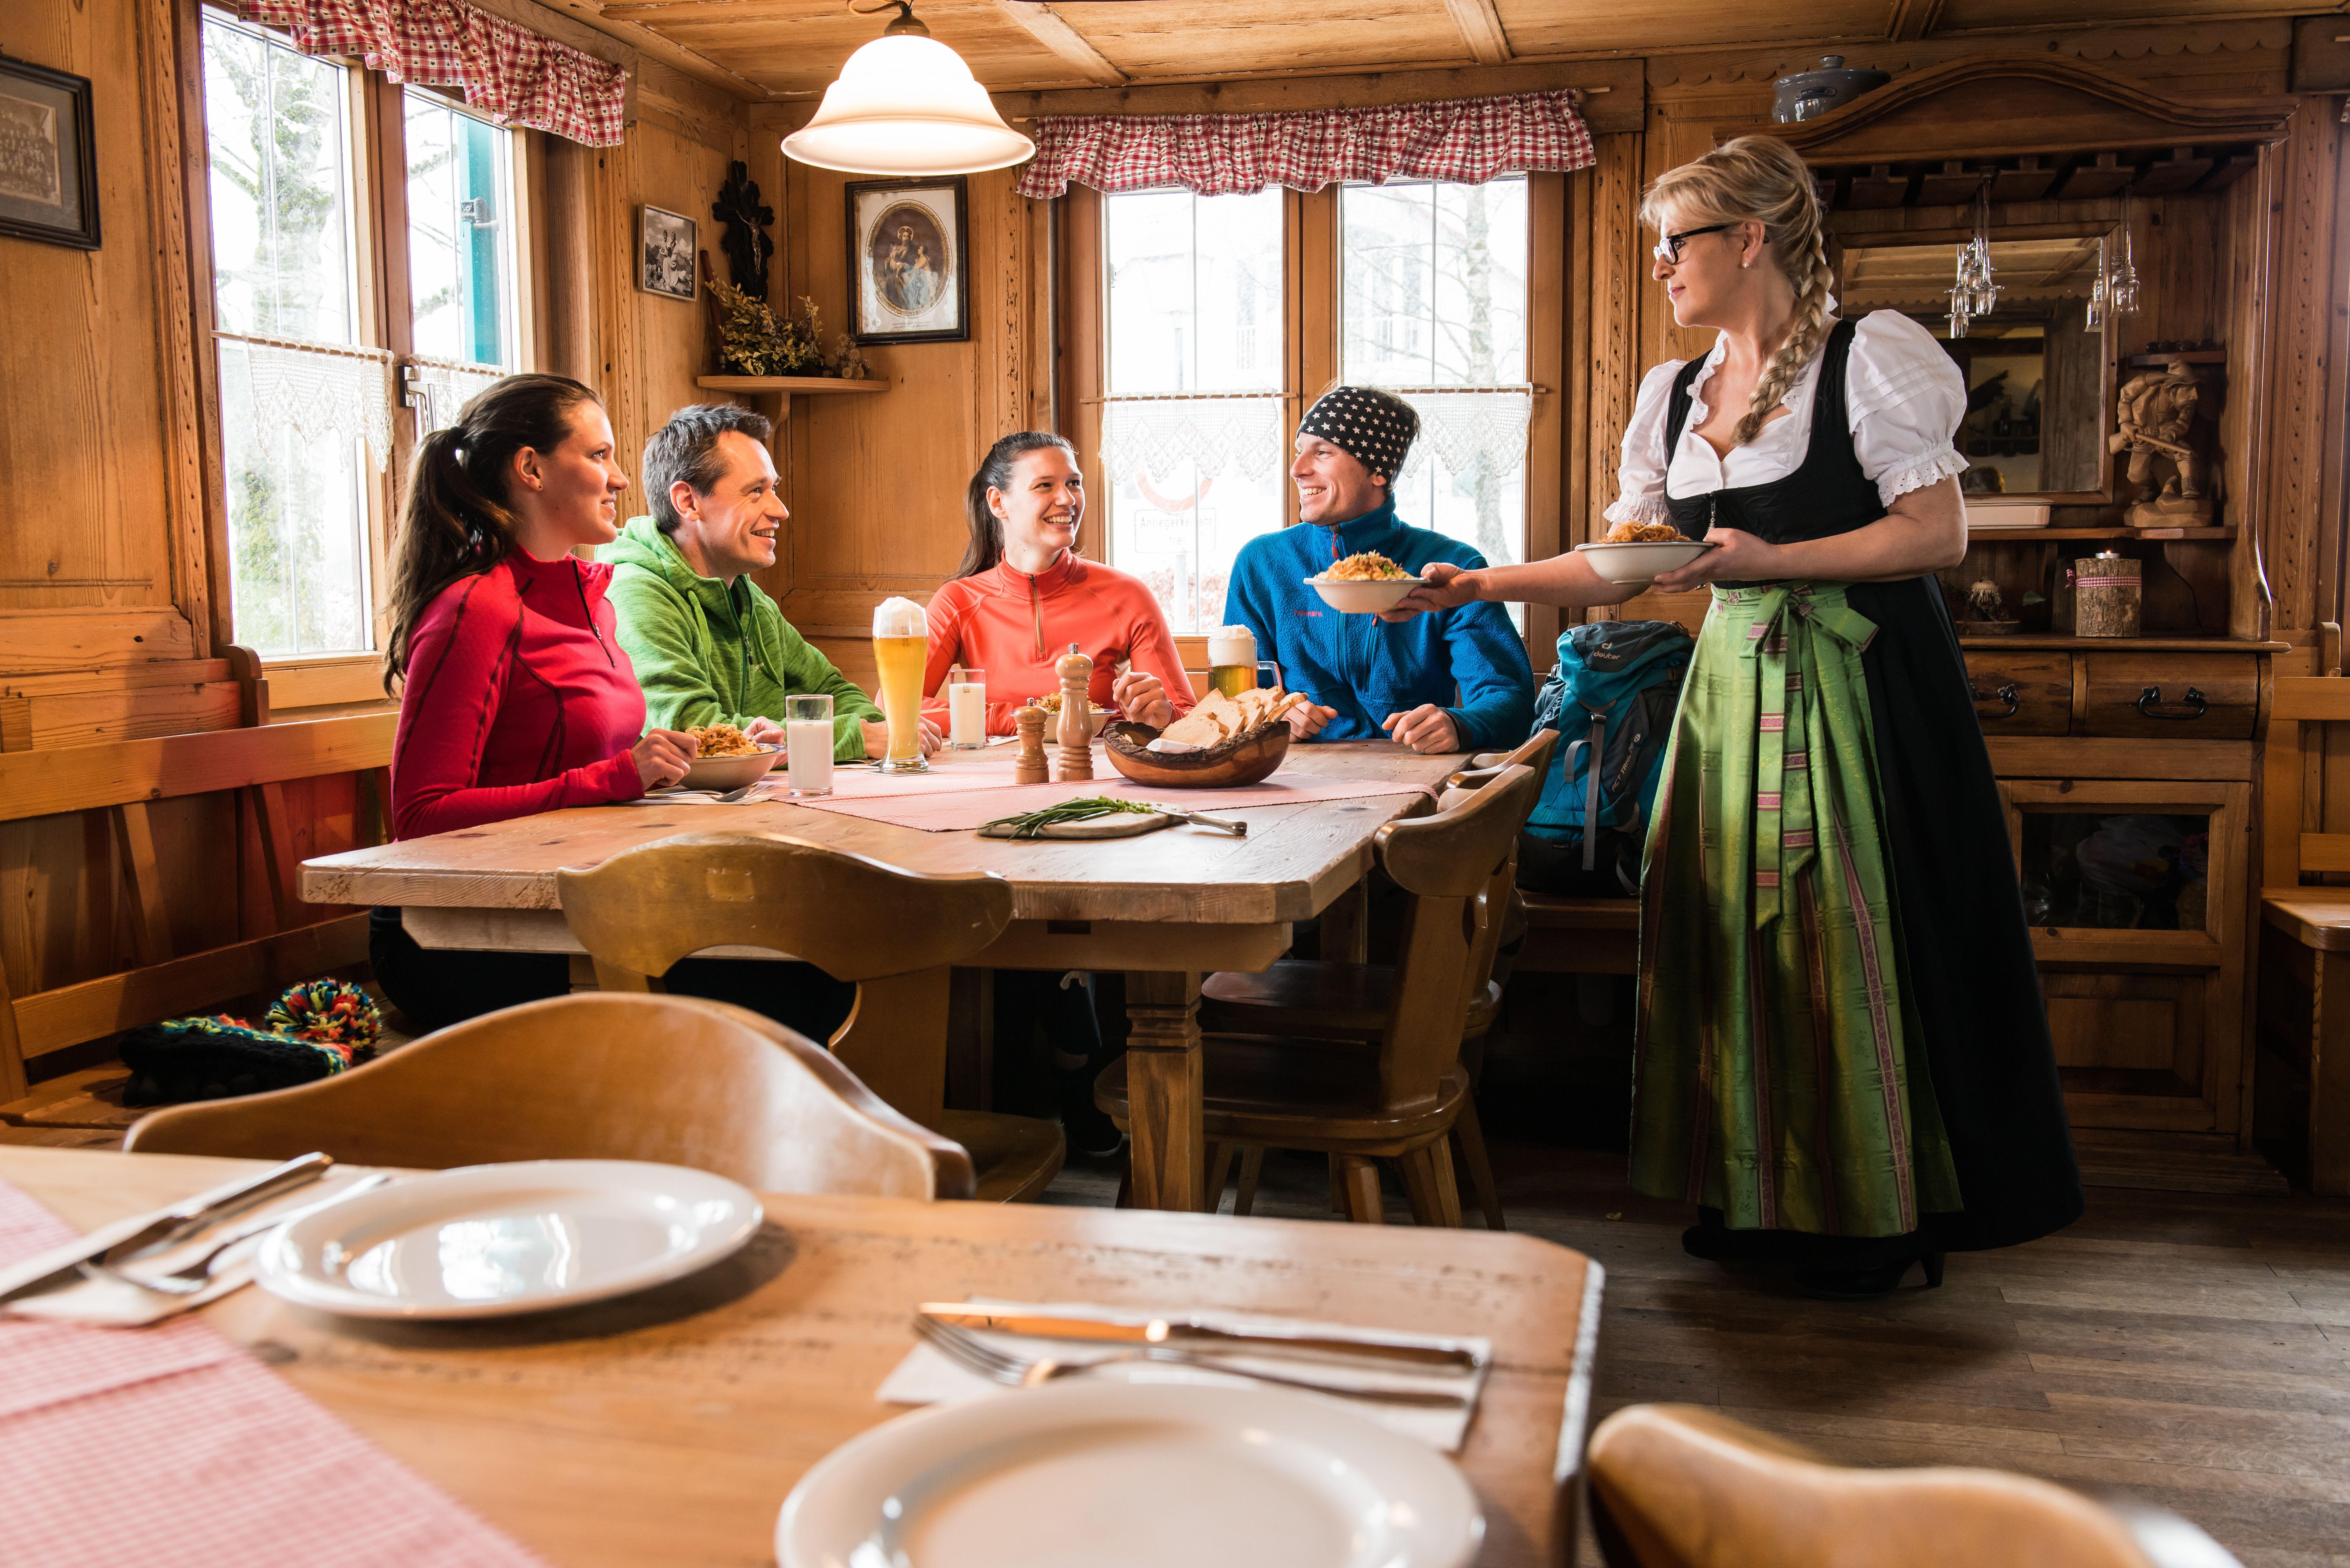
(1779, 1071)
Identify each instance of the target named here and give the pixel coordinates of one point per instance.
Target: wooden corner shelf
(2033, 535)
(783, 388)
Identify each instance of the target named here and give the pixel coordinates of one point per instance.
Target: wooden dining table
(1166, 908)
(667, 1427)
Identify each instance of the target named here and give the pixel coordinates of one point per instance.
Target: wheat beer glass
(1231, 660)
(901, 644)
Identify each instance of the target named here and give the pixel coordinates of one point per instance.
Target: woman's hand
(1741, 558)
(763, 732)
(662, 757)
(1142, 699)
(1448, 588)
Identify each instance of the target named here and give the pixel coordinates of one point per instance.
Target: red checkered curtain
(509, 72)
(1465, 140)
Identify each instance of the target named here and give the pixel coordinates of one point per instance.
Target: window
(461, 268)
(306, 337)
(1203, 370)
(283, 241)
(1192, 436)
(1433, 300)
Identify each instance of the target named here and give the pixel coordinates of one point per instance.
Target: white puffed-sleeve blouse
(1903, 395)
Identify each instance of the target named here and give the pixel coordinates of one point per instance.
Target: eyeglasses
(1668, 247)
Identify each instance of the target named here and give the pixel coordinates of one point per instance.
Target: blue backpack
(1611, 698)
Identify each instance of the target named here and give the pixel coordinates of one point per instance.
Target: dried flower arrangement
(751, 342)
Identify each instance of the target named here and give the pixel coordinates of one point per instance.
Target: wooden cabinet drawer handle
(2147, 699)
(2006, 694)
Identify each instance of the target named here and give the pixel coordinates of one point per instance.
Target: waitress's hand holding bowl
(1447, 588)
(1738, 557)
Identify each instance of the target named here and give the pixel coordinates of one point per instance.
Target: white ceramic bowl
(1643, 562)
(732, 773)
(1367, 597)
(1099, 716)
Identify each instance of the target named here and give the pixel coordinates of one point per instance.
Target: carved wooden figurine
(1075, 756)
(2153, 420)
(1028, 767)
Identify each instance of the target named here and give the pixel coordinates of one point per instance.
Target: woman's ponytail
(456, 521)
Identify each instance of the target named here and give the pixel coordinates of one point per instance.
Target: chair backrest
(1457, 867)
(593, 1076)
(1676, 1485)
(896, 933)
(1533, 752)
(2285, 850)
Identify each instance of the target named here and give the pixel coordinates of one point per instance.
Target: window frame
(378, 197)
(1313, 343)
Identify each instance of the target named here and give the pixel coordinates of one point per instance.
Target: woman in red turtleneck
(515, 696)
(1024, 595)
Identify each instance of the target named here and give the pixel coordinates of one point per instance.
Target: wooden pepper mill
(1028, 767)
(1075, 753)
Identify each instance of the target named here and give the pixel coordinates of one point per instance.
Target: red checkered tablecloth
(171, 1447)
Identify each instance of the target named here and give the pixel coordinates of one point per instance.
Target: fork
(973, 1353)
(190, 1278)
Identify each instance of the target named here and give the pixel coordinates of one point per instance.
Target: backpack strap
(1591, 744)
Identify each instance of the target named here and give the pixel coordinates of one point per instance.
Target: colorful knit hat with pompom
(313, 1031)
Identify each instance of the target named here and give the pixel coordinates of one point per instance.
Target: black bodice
(1827, 494)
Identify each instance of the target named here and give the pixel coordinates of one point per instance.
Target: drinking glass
(808, 740)
(967, 709)
(901, 645)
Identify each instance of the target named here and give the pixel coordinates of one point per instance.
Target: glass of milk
(967, 708)
(808, 740)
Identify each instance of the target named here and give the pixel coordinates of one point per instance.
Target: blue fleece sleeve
(1496, 681)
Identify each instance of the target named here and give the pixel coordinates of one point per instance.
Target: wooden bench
(2307, 928)
(1579, 935)
(118, 784)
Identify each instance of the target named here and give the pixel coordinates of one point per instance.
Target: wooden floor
(2189, 1350)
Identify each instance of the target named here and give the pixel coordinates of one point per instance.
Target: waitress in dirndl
(1842, 1055)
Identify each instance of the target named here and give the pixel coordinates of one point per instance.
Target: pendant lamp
(906, 104)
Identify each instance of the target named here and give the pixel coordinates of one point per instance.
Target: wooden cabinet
(2023, 692)
(2170, 696)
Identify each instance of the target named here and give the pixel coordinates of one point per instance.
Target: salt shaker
(1028, 767)
(1075, 752)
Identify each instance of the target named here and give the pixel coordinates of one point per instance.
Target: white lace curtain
(315, 391)
(438, 388)
(1165, 437)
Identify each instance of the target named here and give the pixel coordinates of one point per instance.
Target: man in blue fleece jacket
(1452, 680)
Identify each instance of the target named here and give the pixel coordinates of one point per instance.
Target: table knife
(1194, 1333)
(126, 1238)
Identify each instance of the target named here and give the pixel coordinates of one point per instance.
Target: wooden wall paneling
(2332, 454)
(97, 469)
(194, 175)
(617, 375)
(2243, 417)
(1618, 284)
(1549, 352)
(2296, 376)
(188, 518)
(134, 837)
(1613, 92)
(1080, 372)
(574, 262)
(1321, 333)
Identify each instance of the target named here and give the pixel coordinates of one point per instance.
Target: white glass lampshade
(907, 105)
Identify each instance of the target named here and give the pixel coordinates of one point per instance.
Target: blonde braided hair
(1759, 179)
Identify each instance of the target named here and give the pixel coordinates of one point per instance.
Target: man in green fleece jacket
(708, 646)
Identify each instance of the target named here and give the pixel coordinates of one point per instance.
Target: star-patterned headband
(1375, 428)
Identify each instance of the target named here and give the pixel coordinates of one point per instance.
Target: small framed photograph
(665, 252)
(48, 161)
(906, 253)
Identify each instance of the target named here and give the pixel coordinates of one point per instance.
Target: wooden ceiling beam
(1913, 19)
(1052, 29)
(654, 45)
(1481, 28)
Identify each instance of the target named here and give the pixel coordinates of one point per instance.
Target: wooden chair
(1320, 999)
(594, 1076)
(896, 934)
(1674, 1486)
(1402, 1099)
(2313, 923)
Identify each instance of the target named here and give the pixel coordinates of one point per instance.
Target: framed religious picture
(910, 281)
(664, 253)
(48, 161)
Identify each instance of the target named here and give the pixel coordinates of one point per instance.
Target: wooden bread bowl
(1246, 760)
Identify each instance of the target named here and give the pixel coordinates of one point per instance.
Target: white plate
(489, 1240)
(1077, 1475)
(1644, 560)
(1366, 596)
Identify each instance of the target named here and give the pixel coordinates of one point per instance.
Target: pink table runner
(956, 810)
(170, 1446)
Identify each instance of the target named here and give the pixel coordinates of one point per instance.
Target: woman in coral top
(515, 696)
(1022, 594)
